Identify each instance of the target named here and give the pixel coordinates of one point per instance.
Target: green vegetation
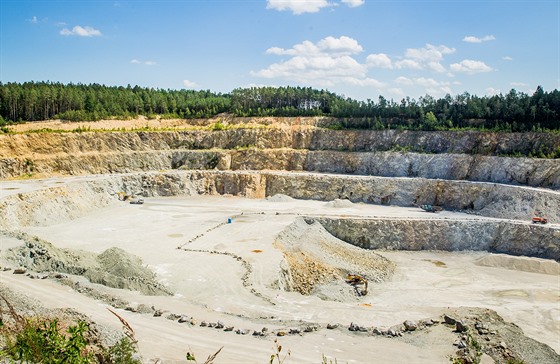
(49, 340)
(514, 112)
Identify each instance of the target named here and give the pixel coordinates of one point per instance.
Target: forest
(514, 111)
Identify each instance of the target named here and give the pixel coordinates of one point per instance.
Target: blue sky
(357, 48)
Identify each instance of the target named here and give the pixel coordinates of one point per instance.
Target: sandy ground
(182, 239)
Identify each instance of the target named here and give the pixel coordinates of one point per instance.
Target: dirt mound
(279, 198)
(338, 203)
(525, 264)
(113, 268)
(319, 263)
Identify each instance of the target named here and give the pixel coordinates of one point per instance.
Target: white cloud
(146, 63)
(491, 91)
(507, 58)
(189, 84)
(81, 31)
(298, 6)
(470, 67)
(428, 57)
(325, 63)
(33, 20)
(430, 53)
(353, 3)
(408, 63)
(518, 84)
(473, 39)
(404, 81)
(380, 60)
(329, 45)
(308, 6)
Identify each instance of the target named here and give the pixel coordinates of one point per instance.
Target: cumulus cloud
(298, 6)
(135, 61)
(325, 63)
(491, 91)
(189, 84)
(380, 60)
(428, 57)
(353, 3)
(308, 6)
(473, 39)
(408, 63)
(33, 20)
(470, 67)
(81, 31)
(507, 58)
(329, 45)
(401, 80)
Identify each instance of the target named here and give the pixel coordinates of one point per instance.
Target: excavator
(431, 208)
(356, 280)
(131, 198)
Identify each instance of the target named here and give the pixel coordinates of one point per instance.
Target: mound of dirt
(113, 268)
(279, 198)
(338, 203)
(525, 264)
(319, 263)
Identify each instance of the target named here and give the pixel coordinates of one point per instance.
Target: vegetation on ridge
(515, 111)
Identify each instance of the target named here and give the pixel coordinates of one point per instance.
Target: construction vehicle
(539, 220)
(356, 280)
(134, 200)
(431, 208)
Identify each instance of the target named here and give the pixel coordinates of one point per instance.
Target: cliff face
(447, 155)
(71, 200)
(492, 236)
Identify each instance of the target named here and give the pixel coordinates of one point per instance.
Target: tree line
(514, 111)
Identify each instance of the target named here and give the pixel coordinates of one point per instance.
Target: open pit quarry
(251, 233)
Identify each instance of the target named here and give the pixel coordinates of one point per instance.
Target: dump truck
(539, 220)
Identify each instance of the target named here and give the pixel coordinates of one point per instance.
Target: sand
(237, 273)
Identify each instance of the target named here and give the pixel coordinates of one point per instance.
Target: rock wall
(493, 236)
(296, 137)
(522, 171)
(73, 199)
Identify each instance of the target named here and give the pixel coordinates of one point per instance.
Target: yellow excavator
(356, 280)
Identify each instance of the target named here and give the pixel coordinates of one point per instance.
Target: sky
(355, 48)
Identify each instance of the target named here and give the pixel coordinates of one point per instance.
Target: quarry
(249, 231)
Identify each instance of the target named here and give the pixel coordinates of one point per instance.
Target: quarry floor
(181, 239)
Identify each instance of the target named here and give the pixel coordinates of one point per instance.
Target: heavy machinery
(539, 220)
(134, 200)
(356, 280)
(431, 208)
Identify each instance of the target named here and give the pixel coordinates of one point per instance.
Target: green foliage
(513, 112)
(217, 126)
(122, 352)
(45, 342)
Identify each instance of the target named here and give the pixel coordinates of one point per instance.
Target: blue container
(229, 220)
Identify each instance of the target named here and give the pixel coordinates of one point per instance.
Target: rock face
(444, 155)
(492, 236)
